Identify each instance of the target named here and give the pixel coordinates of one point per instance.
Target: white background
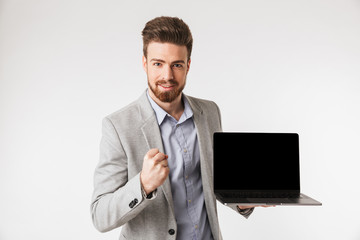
(273, 66)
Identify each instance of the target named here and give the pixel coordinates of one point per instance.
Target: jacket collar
(146, 111)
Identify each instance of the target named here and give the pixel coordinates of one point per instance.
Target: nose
(167, 73)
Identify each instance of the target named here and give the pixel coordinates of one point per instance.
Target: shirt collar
(161, 113)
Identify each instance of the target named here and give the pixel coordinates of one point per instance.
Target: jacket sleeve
(116, 199)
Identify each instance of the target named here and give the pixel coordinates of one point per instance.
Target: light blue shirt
(181, 145)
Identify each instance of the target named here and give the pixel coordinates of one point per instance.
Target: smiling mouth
(167, 87)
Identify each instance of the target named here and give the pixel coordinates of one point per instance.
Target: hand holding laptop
(243, 207)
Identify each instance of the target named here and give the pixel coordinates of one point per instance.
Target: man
(154, 176)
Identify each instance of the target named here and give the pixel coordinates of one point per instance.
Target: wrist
(144, 187)
(146, 196)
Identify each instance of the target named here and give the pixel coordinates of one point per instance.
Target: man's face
(166, 67)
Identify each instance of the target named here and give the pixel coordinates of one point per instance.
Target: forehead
(166, 51)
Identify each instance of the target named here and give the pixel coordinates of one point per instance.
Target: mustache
(171, 82)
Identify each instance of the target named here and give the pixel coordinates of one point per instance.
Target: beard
(166, 96)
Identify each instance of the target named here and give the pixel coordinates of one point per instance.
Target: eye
(157, 64)
(177, 65)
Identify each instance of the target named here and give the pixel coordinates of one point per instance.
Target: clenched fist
(154, 171)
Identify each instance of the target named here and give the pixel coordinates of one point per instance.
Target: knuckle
(159, 155)
(147, 156)
(152, 152)
(152, 162)
(156, 167)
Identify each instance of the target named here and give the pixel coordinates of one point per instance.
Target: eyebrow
(160, 60)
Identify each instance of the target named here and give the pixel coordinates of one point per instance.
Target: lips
(166, 87)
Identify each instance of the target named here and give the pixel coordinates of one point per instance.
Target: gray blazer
(127, 135)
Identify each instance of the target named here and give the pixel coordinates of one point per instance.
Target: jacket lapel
(204, 135)
(152, 135)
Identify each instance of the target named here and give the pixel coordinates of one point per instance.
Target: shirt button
(186, 177)
(171, 231)
(185, 150)
(189, 201)
(196, 226)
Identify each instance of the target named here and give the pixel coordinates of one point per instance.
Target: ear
(188, 66)
(144, 63)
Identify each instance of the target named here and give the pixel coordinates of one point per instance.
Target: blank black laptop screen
(256, 161)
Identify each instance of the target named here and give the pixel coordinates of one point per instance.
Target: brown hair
(167, 29)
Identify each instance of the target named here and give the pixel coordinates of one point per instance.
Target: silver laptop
(258, 169)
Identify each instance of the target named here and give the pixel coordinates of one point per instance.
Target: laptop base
(302, 200)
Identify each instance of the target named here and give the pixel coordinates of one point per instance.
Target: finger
(151, 153)
(242, 207)
(164, 163)
(253, 206)
(160, 157)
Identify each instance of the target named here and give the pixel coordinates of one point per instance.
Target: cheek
(180, 75)
(153, 76)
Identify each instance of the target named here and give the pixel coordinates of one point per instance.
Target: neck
(174, 108)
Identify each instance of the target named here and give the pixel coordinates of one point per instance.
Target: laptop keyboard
(259, 195)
